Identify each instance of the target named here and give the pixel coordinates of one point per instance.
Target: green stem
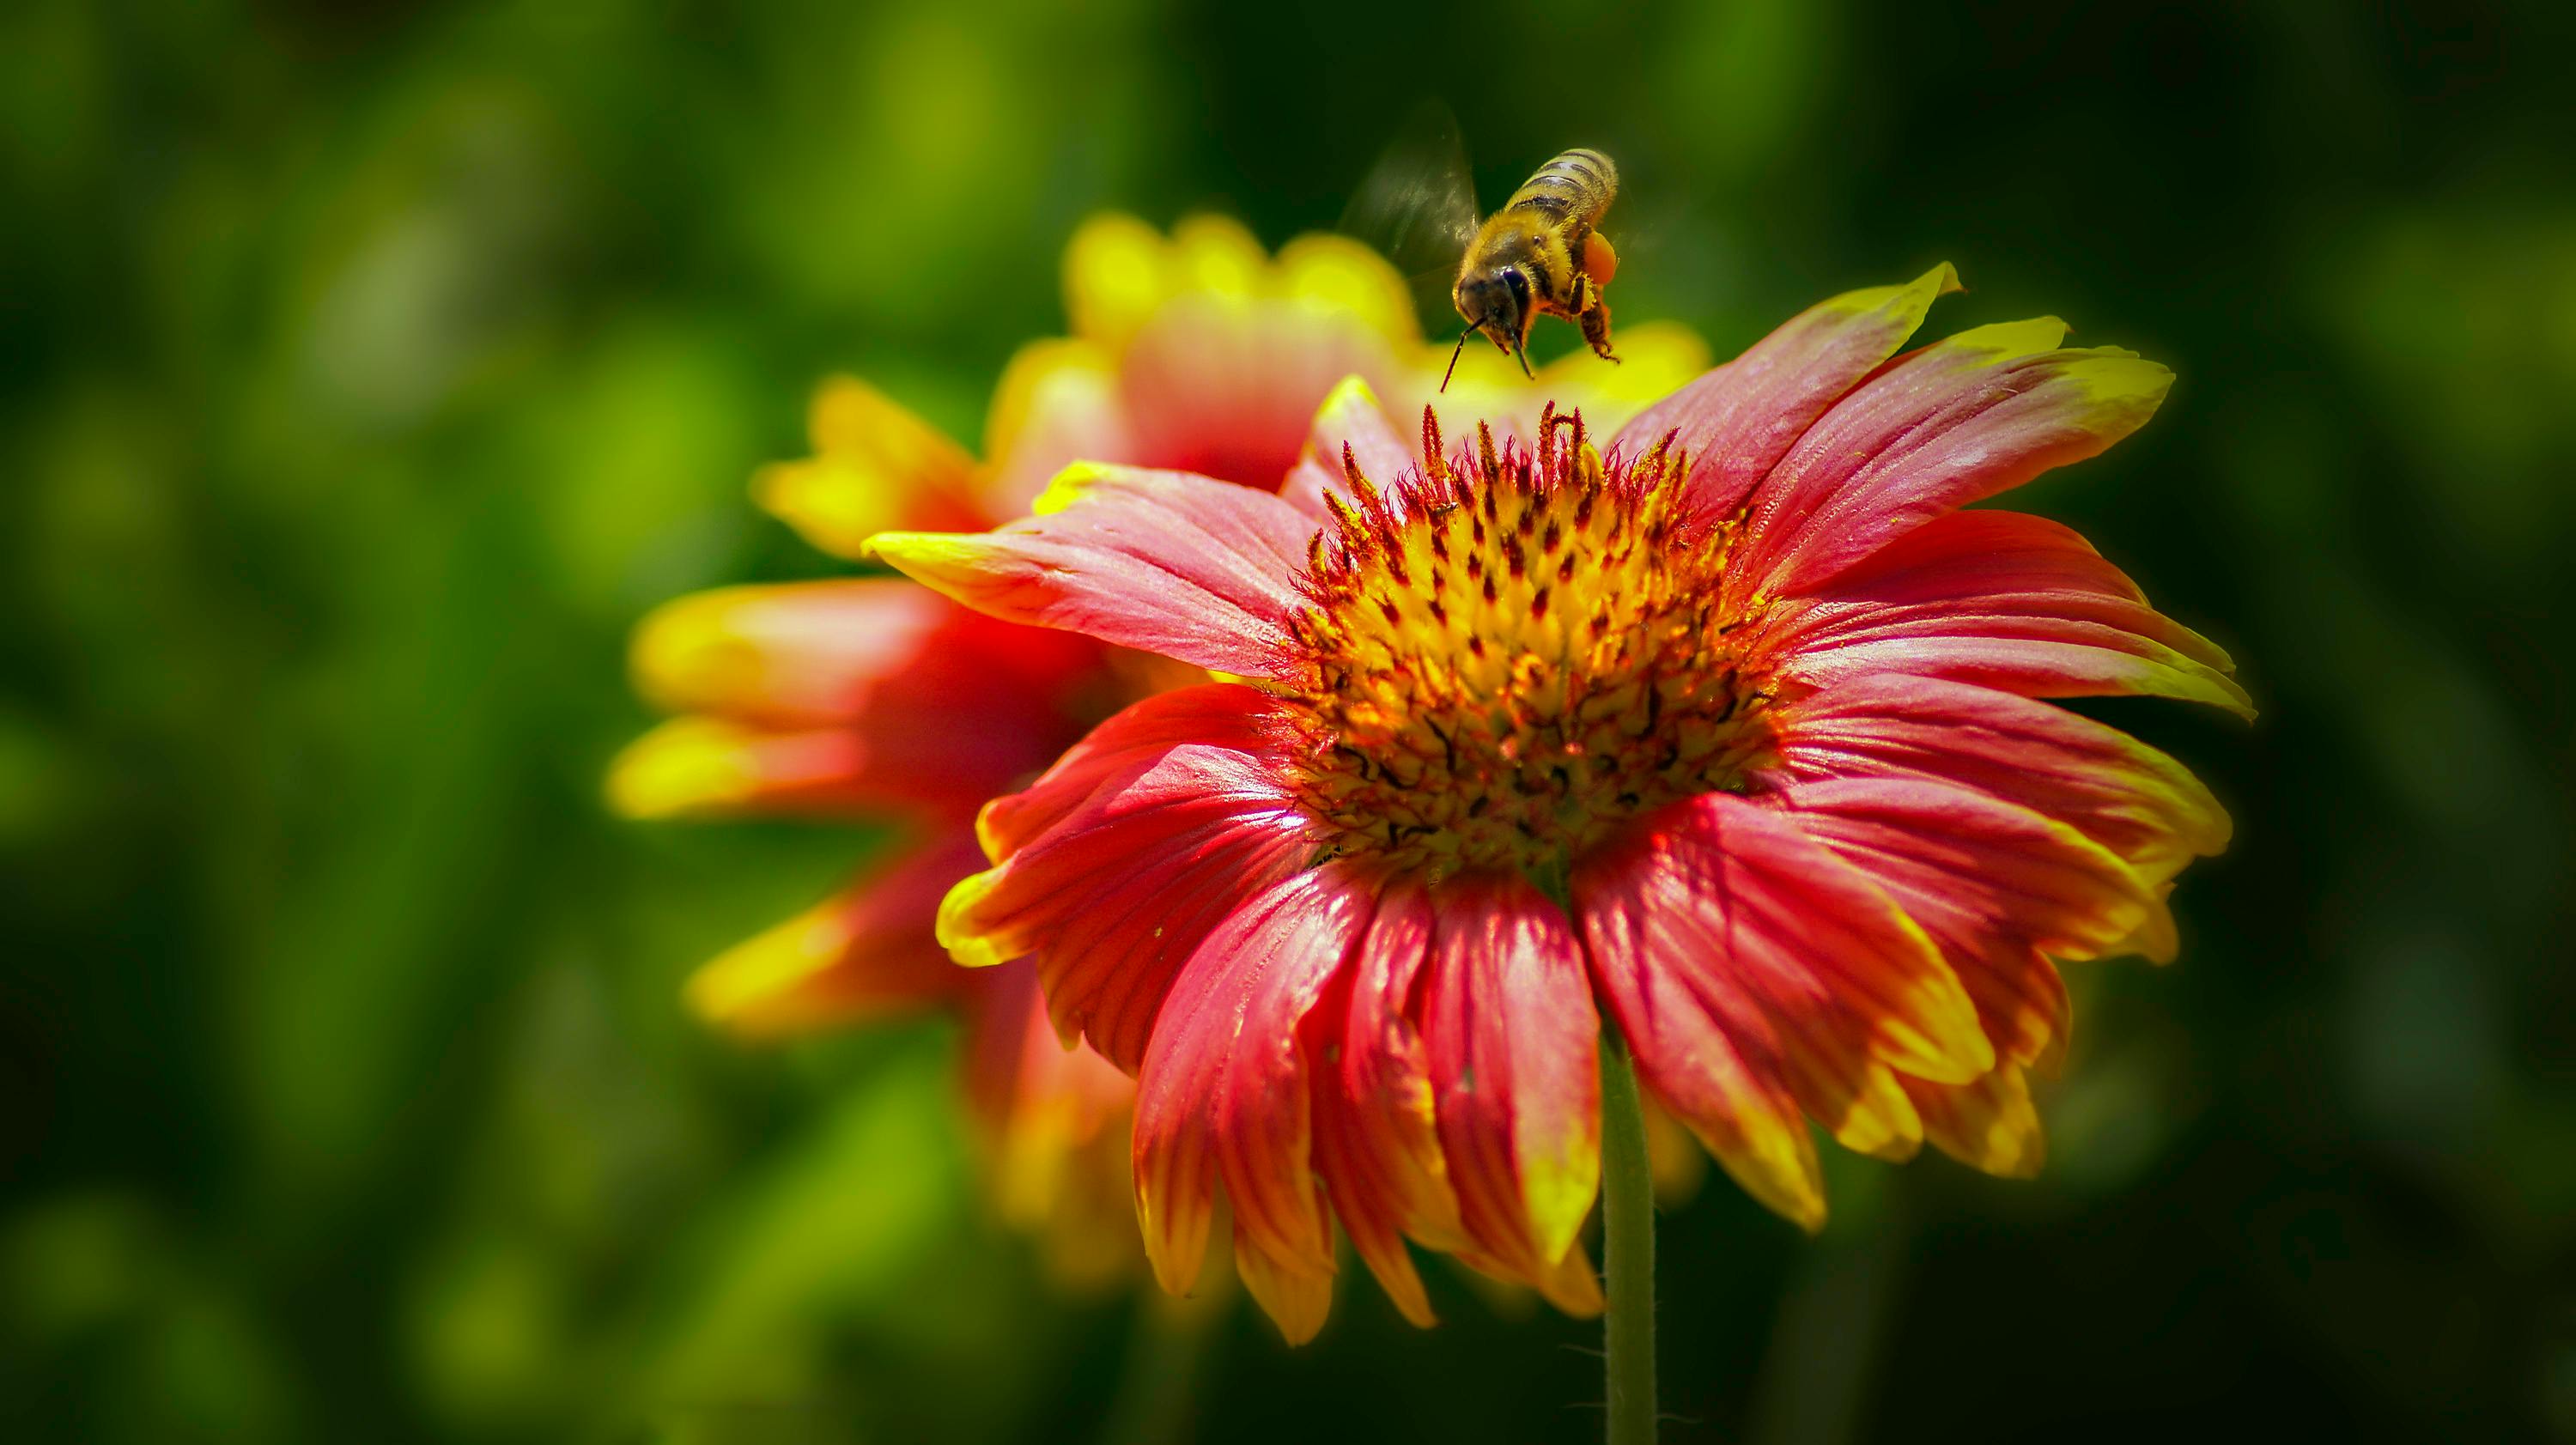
(1157, 1392)
(1628, 1249)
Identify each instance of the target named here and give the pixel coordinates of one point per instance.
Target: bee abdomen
(1579, 183)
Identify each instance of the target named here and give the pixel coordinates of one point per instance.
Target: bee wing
(1417, 206)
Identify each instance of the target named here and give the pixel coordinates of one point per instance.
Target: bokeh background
(370, 368)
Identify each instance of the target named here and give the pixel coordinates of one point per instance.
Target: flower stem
(1158, 1387)
(1628, 1249)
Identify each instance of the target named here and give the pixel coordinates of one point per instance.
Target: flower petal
(1656, 359)
(1997, 887)
(1377, 1140)
(1227, 715)
(812, 653)
(2001, 599)
(1297, 1298)
(875, 466)
(1511, 1037)
(1964, 862)
(1056, 404)
(1990, 1124)
(1228, 388)
(1747, 963)
(1324, 272)
(866, 953)
(1043, 1109)
(1736, 422)
(1130, 855)
(1223, 1095)
(1164, 562)
(2117, 791)
(709, 767)
(1966, 417)
(1116, 276)
(1352, 423)
(1701, 1045)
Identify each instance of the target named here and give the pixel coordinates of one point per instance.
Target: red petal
(1223, 1093)
(1224, 715)
(866, 953)
(1377, 1140)
(875, 466)
(1736, 422)
(1976, 414)
(1996, 886)
(838, 697)
(1163, 562)
(704, 766)
(1750, 967)
(2117, 791)
(2000, 599)
(1044, 1109)
(1228, 391)
(1512, 1042)
(817, 653)
(1119, 887)
(1961, 860)
(1989, 1124)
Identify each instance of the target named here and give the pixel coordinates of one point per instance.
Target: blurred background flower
(372, 370)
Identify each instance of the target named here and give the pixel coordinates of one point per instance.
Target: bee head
(1496, 302)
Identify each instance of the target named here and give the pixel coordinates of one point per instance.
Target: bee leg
(1596, 326)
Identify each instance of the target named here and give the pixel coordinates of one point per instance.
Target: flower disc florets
(1509, 652)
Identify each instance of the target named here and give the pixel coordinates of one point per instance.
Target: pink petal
(1511, 1038)
(1750, 967)
(1997, 887)
(1377, 1141)
(1737, 421)
(1114, 894)
(1164, 562)
(1044, 1109)
(2117, 791)
(1351, 421)
(1966, 862)
(1228, 391)
(1223, 1092)
(1701, 1043)
(2001, 599)
(711, 767)
(1058, 403)
(1964, 418)
(867, 952)
(806, 654)
(1223, 715)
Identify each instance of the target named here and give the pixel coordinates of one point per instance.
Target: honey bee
(1541, 254)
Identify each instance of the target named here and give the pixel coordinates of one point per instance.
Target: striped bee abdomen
(1579, 184)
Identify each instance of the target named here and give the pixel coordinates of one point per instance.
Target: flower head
(873, 699)
(1730, 726)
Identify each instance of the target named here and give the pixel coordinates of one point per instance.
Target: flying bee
(1541, 254)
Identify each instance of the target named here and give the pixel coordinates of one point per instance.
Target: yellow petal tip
(964, 942)
(687, 765)
(1069, 486)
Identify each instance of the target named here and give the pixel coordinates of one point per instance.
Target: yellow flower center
(1510, 655)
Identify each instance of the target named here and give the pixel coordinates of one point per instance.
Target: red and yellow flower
(1731, 728)
(874, 699)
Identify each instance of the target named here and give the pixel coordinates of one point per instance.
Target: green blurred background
(370, 368)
